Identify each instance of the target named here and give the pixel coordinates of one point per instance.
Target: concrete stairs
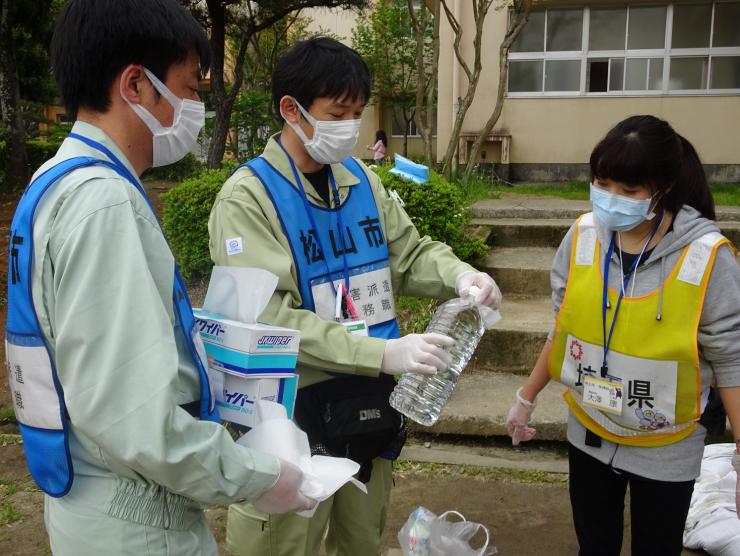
(524, 235)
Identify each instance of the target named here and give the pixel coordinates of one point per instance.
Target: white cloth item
(712, 523)
(239, 293)
(274, 434)
(417, 353)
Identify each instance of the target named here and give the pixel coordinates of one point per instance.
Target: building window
(645, 50)
(399, 116)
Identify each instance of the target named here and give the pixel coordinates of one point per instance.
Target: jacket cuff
(369, 356)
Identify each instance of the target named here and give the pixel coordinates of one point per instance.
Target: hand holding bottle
(417, 353)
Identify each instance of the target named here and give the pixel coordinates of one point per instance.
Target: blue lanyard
(309, 212)
(605, 297)
(107, 152)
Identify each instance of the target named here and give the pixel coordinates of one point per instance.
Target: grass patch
(485, 473)
(414, 313)
(7, 415)
(724, 193)
(10, 489)
(8, 514)
(479, 187)
(10, 439)
(572, 190)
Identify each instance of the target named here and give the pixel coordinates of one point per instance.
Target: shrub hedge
(437, 209)
(185, 219)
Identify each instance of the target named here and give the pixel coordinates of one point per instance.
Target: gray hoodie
(718, 336)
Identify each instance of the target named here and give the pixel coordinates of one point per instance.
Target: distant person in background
(380, 147)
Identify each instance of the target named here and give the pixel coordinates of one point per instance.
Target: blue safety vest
(37, 393)
(324, 255)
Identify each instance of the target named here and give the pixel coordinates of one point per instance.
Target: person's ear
(289, 110)
(132, 83)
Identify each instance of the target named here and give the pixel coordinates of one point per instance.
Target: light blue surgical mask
(619, 213)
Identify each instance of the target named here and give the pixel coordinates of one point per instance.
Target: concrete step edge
(480, 403)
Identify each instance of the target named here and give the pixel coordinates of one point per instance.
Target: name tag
(35, 399)
(356, 327)
(648, 386)
(603, 394)
(371, 294)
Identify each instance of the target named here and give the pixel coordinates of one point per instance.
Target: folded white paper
(274, 434)
(239, 293)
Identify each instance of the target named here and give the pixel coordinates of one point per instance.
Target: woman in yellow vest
(647, 297)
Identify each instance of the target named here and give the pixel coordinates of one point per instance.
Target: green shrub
(437, 209)
(181, 170)
(185, 219)
(38, 151)
(414, 313)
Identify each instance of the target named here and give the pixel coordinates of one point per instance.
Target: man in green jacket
(136, 454)
(341, 247)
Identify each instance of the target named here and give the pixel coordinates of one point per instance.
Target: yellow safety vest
(653, 364)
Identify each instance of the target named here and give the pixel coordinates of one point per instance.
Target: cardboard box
(236, 395)
(247, 349)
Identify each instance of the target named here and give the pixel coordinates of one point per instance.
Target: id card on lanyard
(345, 314)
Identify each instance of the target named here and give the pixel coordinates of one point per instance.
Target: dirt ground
(528, 514)
(525, 517)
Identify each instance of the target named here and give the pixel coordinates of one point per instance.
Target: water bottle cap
(489, 316)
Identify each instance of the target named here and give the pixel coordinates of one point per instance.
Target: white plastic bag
(426, 534)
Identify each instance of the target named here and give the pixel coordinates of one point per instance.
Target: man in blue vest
(106, 369)
(341, 247)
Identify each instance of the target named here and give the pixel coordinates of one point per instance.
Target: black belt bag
(351, 417)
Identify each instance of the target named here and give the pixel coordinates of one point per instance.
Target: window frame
(666, 53)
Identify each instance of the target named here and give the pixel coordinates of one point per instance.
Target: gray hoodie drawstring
(659, 316)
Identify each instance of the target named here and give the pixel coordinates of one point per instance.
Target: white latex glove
(283, 496)
(417, 353)
(489, 294)
(736, 466)
(518, 420)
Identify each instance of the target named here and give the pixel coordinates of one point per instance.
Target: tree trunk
(430, 112)
(519, 20)
(16, 167)
(425, 89)
(480, 10)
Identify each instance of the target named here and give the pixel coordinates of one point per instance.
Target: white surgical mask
(332, 141)
(174, 142)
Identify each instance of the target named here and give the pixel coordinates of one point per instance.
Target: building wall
(563, 131)
(555, 132)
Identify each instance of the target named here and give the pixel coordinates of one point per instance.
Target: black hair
(645, 150)
(381, 136)
(95, 39)
(320, 67)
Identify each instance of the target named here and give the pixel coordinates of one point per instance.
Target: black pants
(658, 509)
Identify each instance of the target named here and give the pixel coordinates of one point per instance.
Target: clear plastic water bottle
(422, 397)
